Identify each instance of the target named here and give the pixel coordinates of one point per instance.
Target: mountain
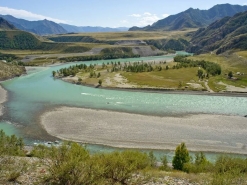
(78, 29)
(193, 18)
(42, 27)
(5, 25)
(222, 35)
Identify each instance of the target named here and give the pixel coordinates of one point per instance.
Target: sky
(105, 13)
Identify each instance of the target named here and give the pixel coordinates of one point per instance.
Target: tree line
(210, 67)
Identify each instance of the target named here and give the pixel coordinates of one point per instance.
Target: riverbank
(3, 98)
(214, 133)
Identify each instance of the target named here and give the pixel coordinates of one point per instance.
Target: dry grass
(164, 79)
(141, 35)
(228, 62)
(8, 70)
(170, 79)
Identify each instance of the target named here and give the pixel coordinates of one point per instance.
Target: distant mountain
(78, 29)
(42, 27)
(222, 35)
(4, 25)
(193, 18)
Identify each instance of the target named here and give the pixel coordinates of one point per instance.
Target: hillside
(225, 34)
(193, 18)
(42, 27)
(79, 29)
(21, 40)
(17, 40)
(8, 71)
(5, 25)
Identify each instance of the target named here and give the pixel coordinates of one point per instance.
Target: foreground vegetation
(70, 163)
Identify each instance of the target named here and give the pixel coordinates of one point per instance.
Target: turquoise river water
(32, 94)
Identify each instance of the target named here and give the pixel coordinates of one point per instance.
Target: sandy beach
(216, 133)
(3, 98)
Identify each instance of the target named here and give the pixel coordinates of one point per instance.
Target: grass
(9, 71)
(142, 35)
(164, 79)
(228, 62)
(56, 50)
(168, 79)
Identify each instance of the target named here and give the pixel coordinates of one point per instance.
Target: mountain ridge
(193, 18)
(5, 25)
(222, 35)
(85, 29)
(41, 27)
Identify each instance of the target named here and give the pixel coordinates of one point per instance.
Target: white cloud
(147, 14)
(135, 15)
(124, 21)
(165, 15)
(144, 19)
(27, 15)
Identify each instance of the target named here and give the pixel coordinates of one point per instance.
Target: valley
(181, 79)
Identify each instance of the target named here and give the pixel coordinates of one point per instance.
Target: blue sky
(111, 13)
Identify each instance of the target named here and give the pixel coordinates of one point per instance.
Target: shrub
(181, 157)
(11, 145)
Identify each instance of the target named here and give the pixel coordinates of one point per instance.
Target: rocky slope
(5, 25)
(8, 71)
(225, 34)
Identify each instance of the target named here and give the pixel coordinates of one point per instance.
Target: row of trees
(73, 70)
(104, 56)
(8, 57)
(210, 67)
(137, 67)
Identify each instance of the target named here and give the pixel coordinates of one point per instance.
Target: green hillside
(18, 40)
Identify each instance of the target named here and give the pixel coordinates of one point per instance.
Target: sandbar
(200, 132)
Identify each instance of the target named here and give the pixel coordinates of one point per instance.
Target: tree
(200, 73)
(181, 157)
(53, 73)
(230, 75)
(100, 82)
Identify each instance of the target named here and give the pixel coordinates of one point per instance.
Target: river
(32, 94)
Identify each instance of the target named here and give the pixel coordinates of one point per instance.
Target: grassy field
(172, 78)
(137, 35)
(228, 63)
(183, 78)
(59, 49)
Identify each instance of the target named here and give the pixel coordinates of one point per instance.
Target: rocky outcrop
(145, 51)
